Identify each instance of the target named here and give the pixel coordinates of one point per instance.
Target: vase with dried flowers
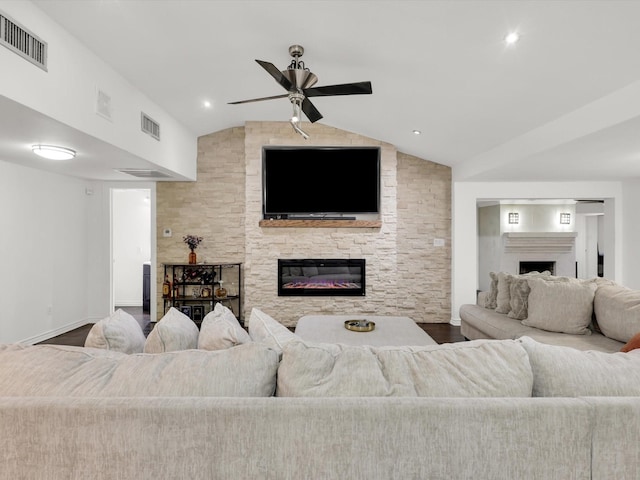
(192, 241)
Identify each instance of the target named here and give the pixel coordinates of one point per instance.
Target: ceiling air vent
(143, 173)
(21, 41)
(150, 126)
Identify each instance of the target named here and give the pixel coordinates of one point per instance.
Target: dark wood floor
(440, 332)
(77, 336)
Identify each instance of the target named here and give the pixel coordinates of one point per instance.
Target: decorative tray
(359, 325)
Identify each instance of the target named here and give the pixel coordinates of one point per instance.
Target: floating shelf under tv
(321, 223)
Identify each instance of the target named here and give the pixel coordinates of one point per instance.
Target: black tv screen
(320, 180)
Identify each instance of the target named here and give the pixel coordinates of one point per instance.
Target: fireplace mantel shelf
(321, 223)
(539, 242)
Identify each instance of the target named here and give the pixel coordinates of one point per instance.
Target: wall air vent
(143, 173)
(150, 126)
(21, 41)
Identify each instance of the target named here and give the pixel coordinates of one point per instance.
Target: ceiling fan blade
(275, 73)
(310, 111)
(360, 88)
(284, 95)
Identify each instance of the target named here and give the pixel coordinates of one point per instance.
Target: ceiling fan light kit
(298, 81)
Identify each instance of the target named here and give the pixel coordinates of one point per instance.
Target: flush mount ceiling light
(512, 38)
(417, 132)
(51, 152)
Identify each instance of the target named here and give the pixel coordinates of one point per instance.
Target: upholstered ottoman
(389, 331)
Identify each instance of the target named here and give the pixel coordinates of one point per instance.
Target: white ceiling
(559, 105)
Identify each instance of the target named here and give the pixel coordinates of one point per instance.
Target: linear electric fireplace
(321, 277)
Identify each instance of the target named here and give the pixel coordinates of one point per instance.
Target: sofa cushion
(566, 372)
(519, 298)
(119, 332)
(490, 300)
(503, 299)
(220, 329)
(503, 296)
(519, 292)
(54, 370)
(265, 329)
(479, 368)
(564, 307)
(174, 331)
(618, 311)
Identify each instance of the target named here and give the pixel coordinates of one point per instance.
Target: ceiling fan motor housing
(300, 79)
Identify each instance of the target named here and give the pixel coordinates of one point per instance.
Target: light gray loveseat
(594, 314)
(484, 409)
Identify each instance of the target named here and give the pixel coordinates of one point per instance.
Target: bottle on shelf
(175, 290)
(166, 287)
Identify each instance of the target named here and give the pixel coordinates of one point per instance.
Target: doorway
(131, 252)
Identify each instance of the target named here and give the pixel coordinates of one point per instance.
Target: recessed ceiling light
(51, 152)
(206, 104)
(417, 132)
(512, 38)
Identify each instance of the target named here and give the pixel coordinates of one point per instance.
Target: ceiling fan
(298, 81)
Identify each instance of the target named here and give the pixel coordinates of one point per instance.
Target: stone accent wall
(213, 207)
(424, 214)
(406, 275)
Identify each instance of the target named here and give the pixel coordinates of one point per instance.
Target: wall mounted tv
(320, 182)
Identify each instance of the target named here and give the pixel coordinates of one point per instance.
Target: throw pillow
(618, 311)
(564, 307)
(478, 368)
(267, 330)
(503, 295)
(519, 293)
(119, 332)
(490, 301)
(503, 301)
(220, 330)
(632, 344)
(560, 371)
(174, 331)
(519, 298)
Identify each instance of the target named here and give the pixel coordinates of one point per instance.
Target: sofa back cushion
(174, 331)
(479, 368)
(618, 311)
(566, 372)
(220, 329)
(54, 370)
(119, 332)
(557, 306)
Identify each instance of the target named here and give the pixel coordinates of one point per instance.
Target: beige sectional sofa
(594, 314)
(276, 407)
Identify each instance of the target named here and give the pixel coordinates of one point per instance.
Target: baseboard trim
(455, 322)
(54, 333)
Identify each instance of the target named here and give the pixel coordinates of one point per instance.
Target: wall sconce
(514, 218)
(565, 218)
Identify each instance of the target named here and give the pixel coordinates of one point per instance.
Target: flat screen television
(320, 181)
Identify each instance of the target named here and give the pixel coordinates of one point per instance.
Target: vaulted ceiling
(563, 103)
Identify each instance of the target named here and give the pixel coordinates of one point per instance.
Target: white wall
(44, 253)
(464, 219)
(631, 230)
(131, 236)
(489, 244)
(68, 92)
